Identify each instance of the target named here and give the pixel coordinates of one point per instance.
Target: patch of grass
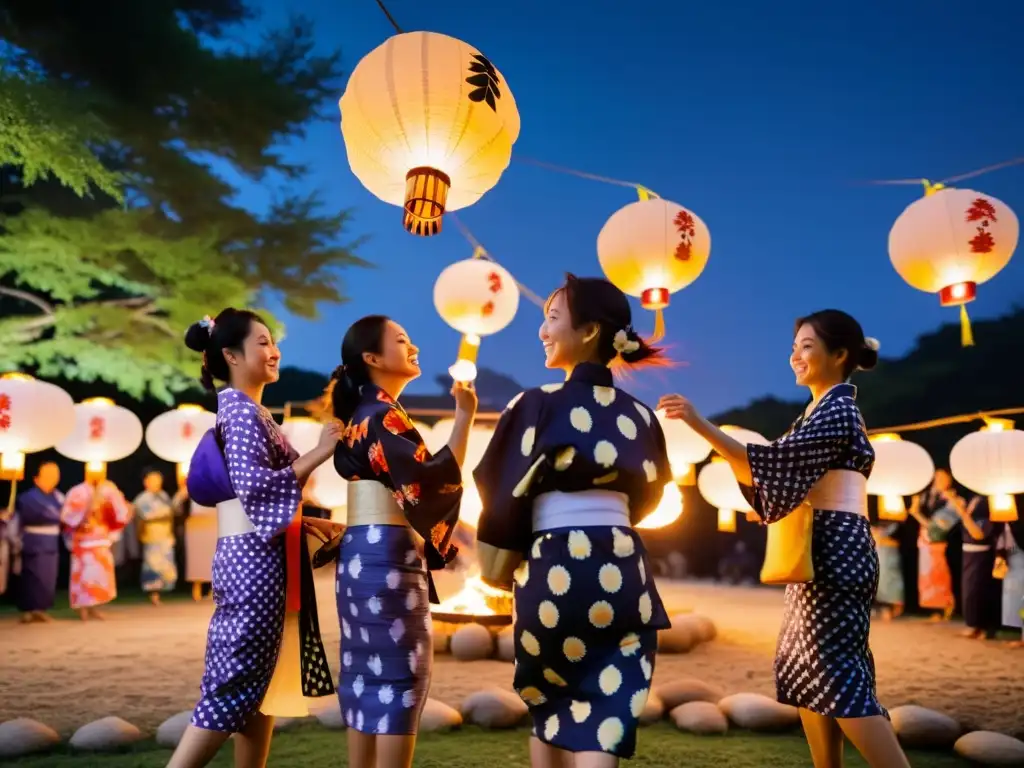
(310, 746)
(125, 596)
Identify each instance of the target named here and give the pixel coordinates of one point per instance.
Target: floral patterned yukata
(586, 607)
(245, 635)
(155, 517)
(90, 516)
(383, 585)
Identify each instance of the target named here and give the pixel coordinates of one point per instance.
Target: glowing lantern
(669, 509)
(325, 487)
(685, 448)
(718, 485)
(991, 462)
(103, 432)
(429, 125)
(477, 298)
(175, 435)
(901, 469)
(479, 439)
(951, 241)
(34, 416)
(651, 249)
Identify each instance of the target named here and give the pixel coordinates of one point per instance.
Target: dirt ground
(144, 663)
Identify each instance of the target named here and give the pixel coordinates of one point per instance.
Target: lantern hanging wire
(951, 179)
(479, 252)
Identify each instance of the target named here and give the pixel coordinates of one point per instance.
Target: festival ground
(144, 663)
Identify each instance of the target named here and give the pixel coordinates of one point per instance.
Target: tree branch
(29, 298)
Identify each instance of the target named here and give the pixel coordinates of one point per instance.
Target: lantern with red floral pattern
(175, 435)
(34, 416)
(103, 432)
(950, 242)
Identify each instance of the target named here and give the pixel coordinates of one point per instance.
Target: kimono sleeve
(427, 486)
(506, 472)
(784, 472)
(269, 496)
(118, 510)
(76, 507)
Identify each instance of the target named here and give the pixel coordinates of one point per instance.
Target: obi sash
(840, 490)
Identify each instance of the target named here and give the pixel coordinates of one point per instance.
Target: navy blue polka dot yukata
(587, 611)
(823, 662)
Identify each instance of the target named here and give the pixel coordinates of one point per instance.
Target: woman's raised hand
(330, 435)
(465, 397)
(678, 407)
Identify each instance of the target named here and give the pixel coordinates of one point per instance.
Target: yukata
(934, 579)
(383, 584)
(38, 517)
(823, 662)
(199, 532)
(246, 462)
(155, 519)
(1012, 547)
(570, 468)
(890, 565)
(91, 516)
(980, 591)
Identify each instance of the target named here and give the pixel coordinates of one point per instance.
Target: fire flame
(471, 600)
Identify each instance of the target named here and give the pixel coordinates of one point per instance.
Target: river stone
(472, 642)
(918, 727)
(173, 728)
(990, 748)
(706, 629)
(654, 709)
(686, 689)
(25, 736)
(700, 717)
(506, 643)
(438, 716)
(105, 734)
(755, 712)
(494, 708)
(681, 637)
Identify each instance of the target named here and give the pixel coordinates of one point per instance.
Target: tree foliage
(116, 229)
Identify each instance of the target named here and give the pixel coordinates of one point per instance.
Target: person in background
(155, 517)
(1012, 546)
(93, 511)
(127, 551)
(199, 533)
(890, 595)
(980, 590)
(937, 517)
(38, 521)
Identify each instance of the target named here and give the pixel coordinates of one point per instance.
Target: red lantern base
(958, 293)
(654, 298)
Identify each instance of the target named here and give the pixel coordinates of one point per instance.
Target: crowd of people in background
(991, 569)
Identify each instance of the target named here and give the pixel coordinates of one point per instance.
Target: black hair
(838, 330)
(595, 300)
(147, 471)
(365, 335)
(228, 330)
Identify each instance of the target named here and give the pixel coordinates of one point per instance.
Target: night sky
(760, 117)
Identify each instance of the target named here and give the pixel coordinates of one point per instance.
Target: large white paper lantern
(951, 241)
(991, 462)
(429, 125)
(326, 488)
(103, 432)
(477, 298)
(651, 249)
(718, 485)
(685, 447)
(34, 416)
(669, 509)
(476, 446)
(902, 468)
(174, 436)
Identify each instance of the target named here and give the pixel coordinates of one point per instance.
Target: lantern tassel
(966, 334)
(659, 327)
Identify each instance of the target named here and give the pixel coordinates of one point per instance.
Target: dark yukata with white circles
(823, 662)
(587, 611)
(249, 575)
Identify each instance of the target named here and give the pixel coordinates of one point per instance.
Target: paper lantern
(902, 468)
(479, 439)
(429, 124)
(669, 509)
(718, 485)
(34, 416)
(991, 462)
(651, 249)
(174, 436)
(477, 298)
(103, 432)
(685, 448)
(325, 487)
(951, 241)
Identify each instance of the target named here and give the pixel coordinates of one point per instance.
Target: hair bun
(868, 358)
(197, 337)
(339, 372)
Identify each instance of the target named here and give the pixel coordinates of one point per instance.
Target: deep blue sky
(760, 117)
